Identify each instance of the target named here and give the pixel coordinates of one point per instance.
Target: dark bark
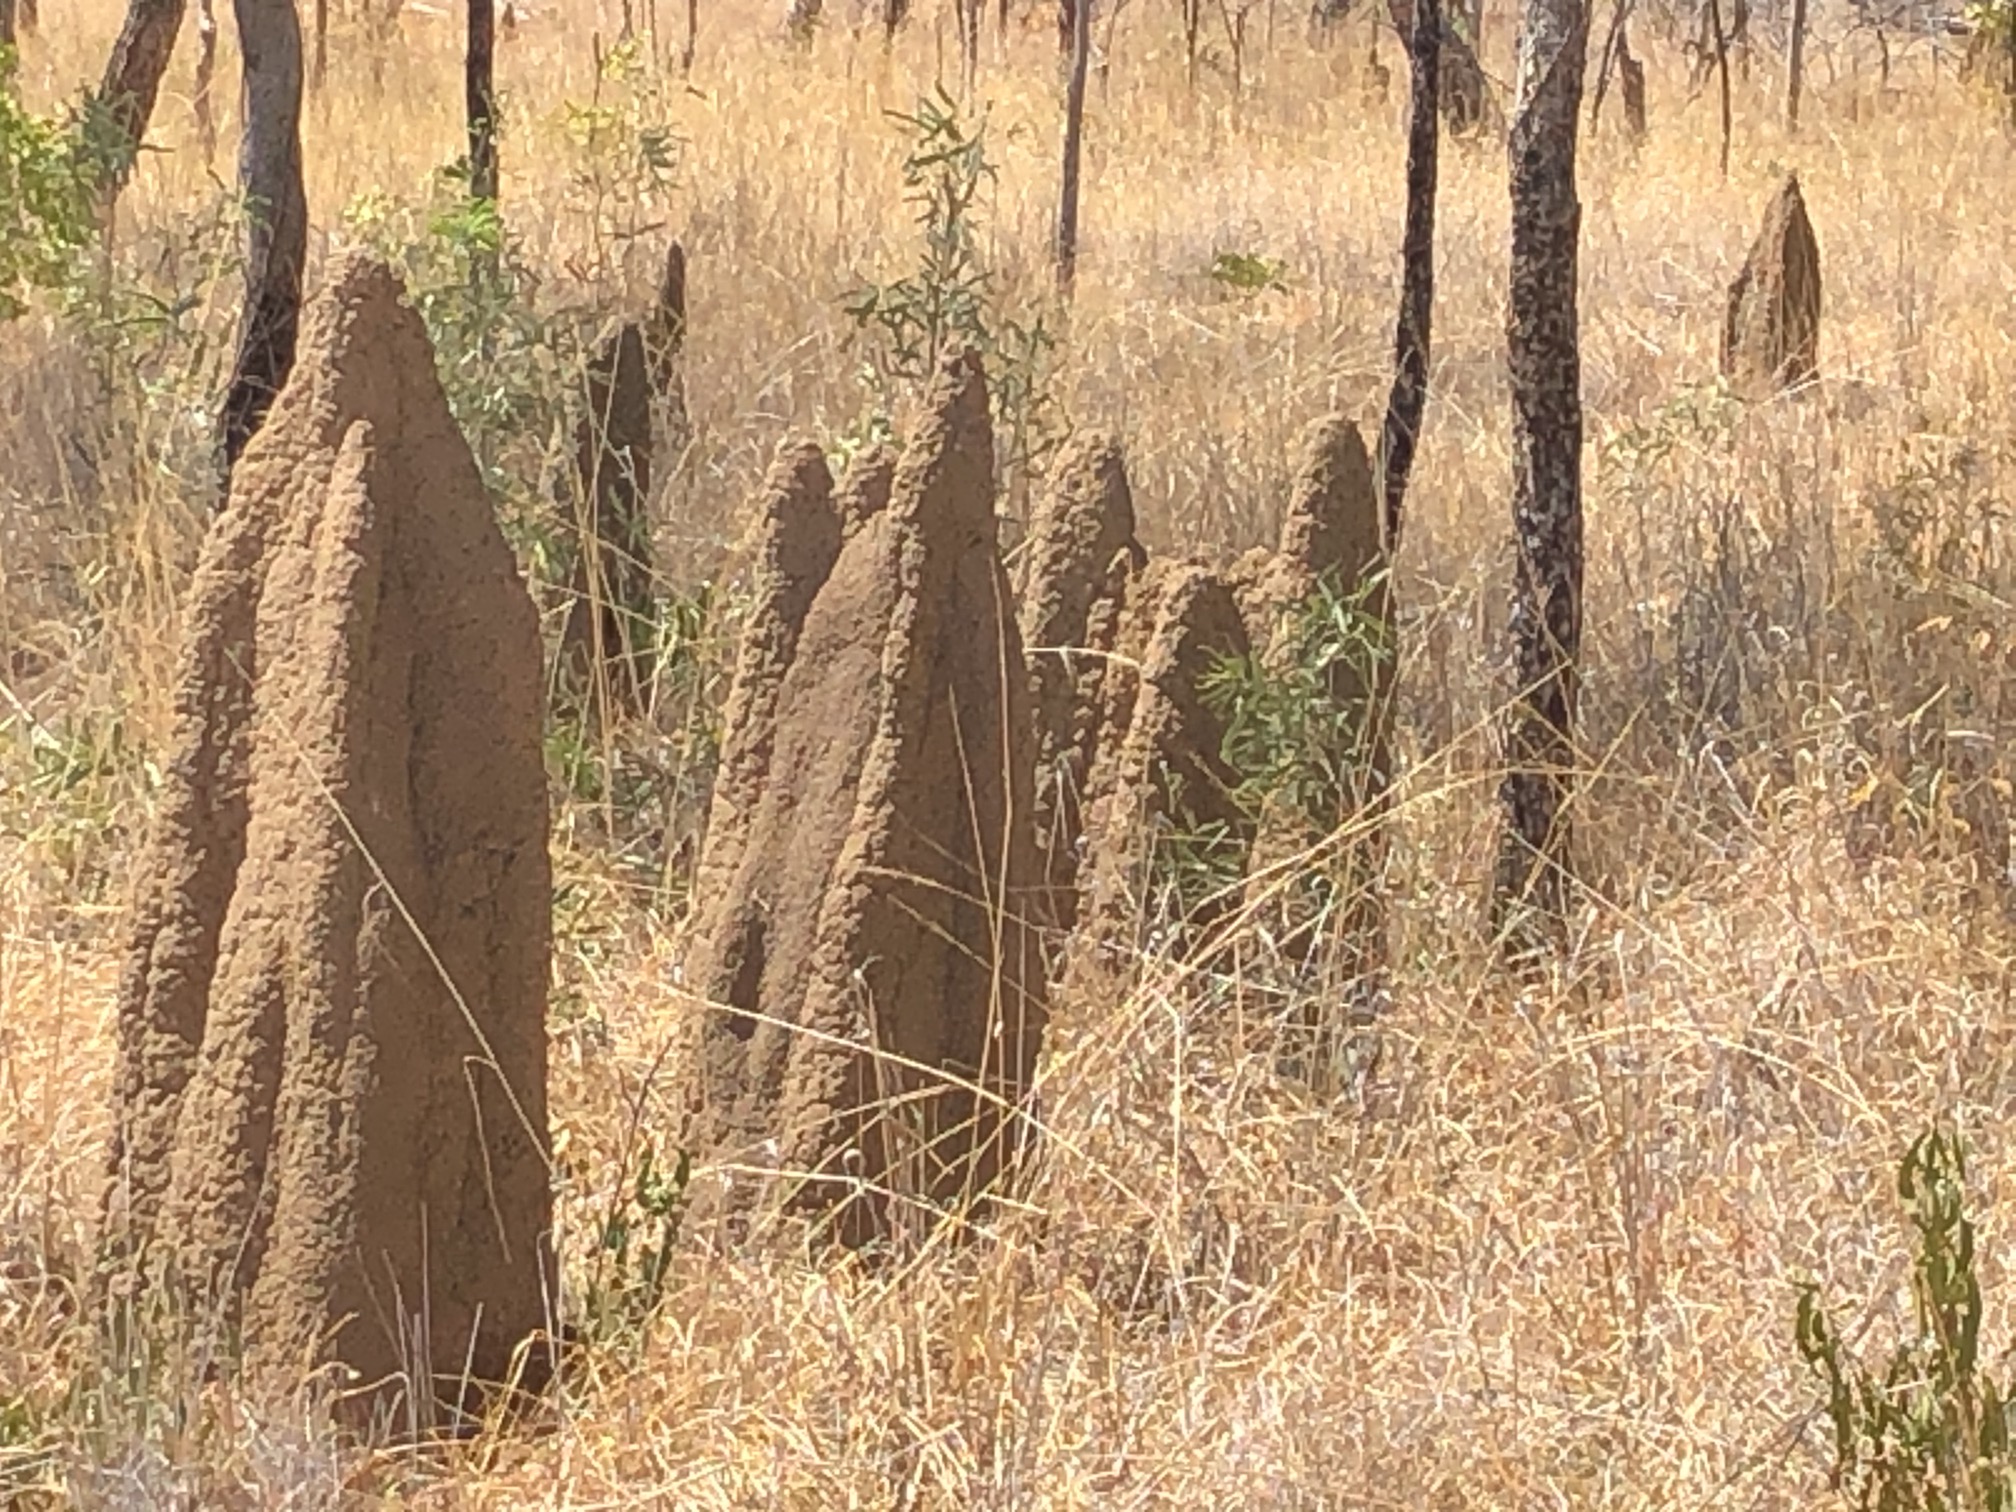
(1721, 39)
(1795, 67)
(7, 36)
(480, 89)
(1408, 400)
(1074, 146)
(1543, 344)
(276, 243)
(125, 100)
(1620, 15)
(1464, 92)
(692, 36)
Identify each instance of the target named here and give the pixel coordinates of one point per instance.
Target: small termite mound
(606, 643)
(330, 1138)
(1771, 332)
(1166, 835)
(1081, 525)
(873, 998)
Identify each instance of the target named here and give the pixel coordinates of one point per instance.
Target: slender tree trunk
(1074, 146)
(1408, 400)
(1722, 69)
(276, 244)
(1619, 14)
(1543, 343)
(206, 77)
(480, 90)
(125, 100)
(1795, 67)
(692, 37)
(7, 37)
(318, 70)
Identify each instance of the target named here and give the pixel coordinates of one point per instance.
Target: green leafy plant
(45, 198)
(954, 297)
(624, 154)
(505, 360)
(1296, 715)
(1929, 1432)
(1248, 272)
(634, 1247)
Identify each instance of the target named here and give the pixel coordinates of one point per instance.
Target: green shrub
(1929, 1432)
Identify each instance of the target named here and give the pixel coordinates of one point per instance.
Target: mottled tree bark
(276, 241)
(1543, 344)
(124, 103)
(1074, 144)
(480, 90)
(1408, 399)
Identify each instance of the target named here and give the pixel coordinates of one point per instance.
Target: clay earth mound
(1771, 333)
(316, 1135)
(1332, 526)
(791, 548)
(864, 491)
(1069, 588)
(606, 642)
(1160, 808)
(870, 943)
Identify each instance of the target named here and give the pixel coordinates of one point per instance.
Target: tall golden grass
(1542, 1250)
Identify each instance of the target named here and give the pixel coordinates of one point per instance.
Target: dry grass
(1542, 1252)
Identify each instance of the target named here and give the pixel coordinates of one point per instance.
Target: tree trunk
(6, 23)
(1074, 144)
(276, 242)
(1795, 68)
(1543, 344)
(481, 92)
(1620, 14)
(1722, 69)
(1408, 400)
(692, 37)
(318, 70)
(1465, 94)
(125, 100)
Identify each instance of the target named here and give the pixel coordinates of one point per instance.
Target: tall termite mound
(1080, 527)
(1165, 833)
(1771, 332)
(606, 641)
(874, 1002)
(331, 1120)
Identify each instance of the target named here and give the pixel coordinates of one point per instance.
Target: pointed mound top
(864, 492)
(946, 477)
(362, 348)
(1332, 521)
